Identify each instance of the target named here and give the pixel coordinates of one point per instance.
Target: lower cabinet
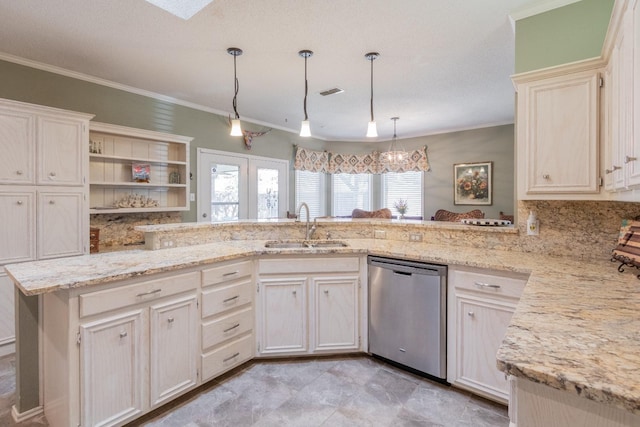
(310, 305)
(227, 317)
(118, 351)
(480, 306)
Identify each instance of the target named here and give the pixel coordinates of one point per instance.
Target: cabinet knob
(52, 174)
(471, 314)
(123, 334)
(613, 169)
(628, 159)
(19, 202)
(204, 215)
(546, 176)
(326, 291)
(52, 202)
(18, 172)
(170, 320)
(294, 293)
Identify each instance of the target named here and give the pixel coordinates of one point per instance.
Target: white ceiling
(444, 64)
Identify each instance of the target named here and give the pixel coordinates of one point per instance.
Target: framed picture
(141, 172)
(472, 183)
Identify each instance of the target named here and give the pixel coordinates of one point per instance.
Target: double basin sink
(301, 244)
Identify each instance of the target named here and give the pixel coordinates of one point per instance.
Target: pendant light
(305, 130)
(396, 156)
(236, 130)
(372, 131)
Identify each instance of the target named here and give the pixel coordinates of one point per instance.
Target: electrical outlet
(379, 234)
(415, 237)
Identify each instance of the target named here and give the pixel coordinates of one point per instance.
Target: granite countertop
(576, 327)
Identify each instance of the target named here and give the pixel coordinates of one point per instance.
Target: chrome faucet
(309, 231)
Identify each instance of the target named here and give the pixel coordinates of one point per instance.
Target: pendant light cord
(306, 87)
(237, 88)
(371, 59)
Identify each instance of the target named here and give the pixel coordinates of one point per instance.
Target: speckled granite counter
(576, 328)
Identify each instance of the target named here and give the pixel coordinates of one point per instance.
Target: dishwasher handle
(408, 267)
(402, 273)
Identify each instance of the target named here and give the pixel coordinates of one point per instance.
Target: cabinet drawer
(222, 298)
(114, 298)
(223, 273)
(224, 328)
(492, 283)
(226, 357)
(309, 265)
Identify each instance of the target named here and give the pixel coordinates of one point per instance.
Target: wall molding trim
(19, 417)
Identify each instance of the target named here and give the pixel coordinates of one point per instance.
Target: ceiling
(444, 65)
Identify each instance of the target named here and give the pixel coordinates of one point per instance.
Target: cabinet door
(7, 321)
(558, 134)
(283, 315)
(112, 367)
(18, 226)
(61, 224)
(17, 145)
(631, 28)
(173, 348)
(335, 303)
(481, 325)
(62, 146)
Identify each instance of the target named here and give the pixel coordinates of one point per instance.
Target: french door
(235, 186)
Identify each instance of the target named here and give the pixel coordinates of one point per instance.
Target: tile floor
(335, 392)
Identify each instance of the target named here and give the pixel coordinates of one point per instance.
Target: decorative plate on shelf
(486, 222)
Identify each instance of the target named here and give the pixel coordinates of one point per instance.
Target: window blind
(403, 186)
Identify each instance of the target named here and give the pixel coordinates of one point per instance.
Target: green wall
(119, 107)
(559, 36)
(493, 144)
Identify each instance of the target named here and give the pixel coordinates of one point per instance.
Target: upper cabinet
(621, 102)
(42, 145)
(134, 170)
(558, 133)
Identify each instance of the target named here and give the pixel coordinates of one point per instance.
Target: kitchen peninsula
(575, 330)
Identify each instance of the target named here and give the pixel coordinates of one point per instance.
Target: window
(310, 188)
(406, 186)
(350, 191)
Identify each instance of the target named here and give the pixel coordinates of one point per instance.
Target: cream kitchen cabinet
(227, 317)
(558, 133)
(480, 306)
(310, 305)
(18, 225)
(116, 352)
(62, 223)
(61, 150)
(17, 145)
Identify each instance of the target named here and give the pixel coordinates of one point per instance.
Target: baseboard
(19, 417)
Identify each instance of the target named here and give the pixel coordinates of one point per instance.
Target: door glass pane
(267, 193)
(225, 198)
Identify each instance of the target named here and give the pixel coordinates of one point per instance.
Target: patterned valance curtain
(312, 161)
(417, 162)
(327, 162)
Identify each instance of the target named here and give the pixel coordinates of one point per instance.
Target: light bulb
(372, 130)
(305, 129)
(236, 130)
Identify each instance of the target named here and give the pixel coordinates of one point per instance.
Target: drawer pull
(155, 291)
(471, 314)
(123, 334)
(230, 273)
(52, 202)
(18, 172)
(231, 299)
(52, 175)
(294, 293)
(170, 319)
(326, 291)
(231, 328)
(487, 285)
(231, 357)
(19, 202)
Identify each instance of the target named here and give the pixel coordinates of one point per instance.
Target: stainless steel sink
(293, 244)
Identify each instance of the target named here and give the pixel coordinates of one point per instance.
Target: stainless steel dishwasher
(407, 314)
